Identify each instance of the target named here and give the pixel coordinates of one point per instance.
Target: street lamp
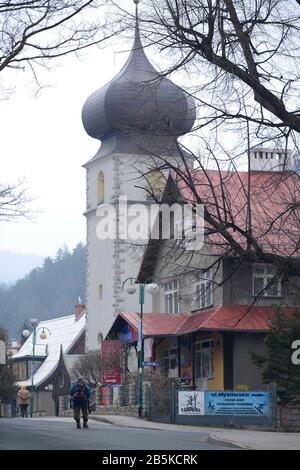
(26, 333)
(131, 288)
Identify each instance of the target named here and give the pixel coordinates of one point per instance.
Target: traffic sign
(112, 379)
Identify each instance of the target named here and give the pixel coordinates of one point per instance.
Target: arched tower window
(156, 183)
(100, 187)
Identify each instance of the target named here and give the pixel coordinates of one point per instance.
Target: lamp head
(131, 288)
(153, 288)
(26, 333)
(43, 335)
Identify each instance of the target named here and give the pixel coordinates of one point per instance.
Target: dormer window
(263, 281)
(203, 291)
(171, 296)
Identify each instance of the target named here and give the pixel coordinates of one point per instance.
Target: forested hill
(49, 291)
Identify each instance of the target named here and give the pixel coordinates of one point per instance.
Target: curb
(214, 439)
(102, 420)
(111, 421)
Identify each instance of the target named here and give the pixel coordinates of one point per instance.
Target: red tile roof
(220, 318)
(275, 210)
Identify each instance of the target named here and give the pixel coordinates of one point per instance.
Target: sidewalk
(238, 438)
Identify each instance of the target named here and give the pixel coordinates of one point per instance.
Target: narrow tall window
(264, 282)
(100, 291)
(155, 183)
(171, 295)
(203, 291)
(100, 188)
(204, 359)
(170, 363)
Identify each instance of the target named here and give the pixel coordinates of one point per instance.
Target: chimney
(79, 308)
(270, 159)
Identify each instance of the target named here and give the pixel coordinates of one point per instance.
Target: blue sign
(126, 334)
(236, 403)
(152, 364)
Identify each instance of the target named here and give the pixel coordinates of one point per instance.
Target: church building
(138, 117)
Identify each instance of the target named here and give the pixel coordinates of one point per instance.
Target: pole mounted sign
(152, 364)
(111, 379)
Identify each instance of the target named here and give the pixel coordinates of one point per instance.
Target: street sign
(152, 364)
(112, 379)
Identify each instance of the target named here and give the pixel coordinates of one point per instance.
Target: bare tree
(14, 202)
(35, 31)
(32, 33)
(241, 59)
(245, 54)
(89, 366)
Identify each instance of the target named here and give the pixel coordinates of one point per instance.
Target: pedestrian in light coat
(23, 401)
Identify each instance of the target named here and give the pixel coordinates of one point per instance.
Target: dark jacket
(73, 390)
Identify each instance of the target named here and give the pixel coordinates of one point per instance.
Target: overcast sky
(43, 140)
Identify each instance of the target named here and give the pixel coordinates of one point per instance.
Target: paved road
(61, 434)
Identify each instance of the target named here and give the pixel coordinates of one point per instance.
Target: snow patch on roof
(64, 332)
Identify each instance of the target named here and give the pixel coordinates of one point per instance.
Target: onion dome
(138, 101)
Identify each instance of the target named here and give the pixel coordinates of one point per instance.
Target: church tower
(137, 117)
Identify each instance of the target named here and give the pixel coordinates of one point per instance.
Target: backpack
(80, 391)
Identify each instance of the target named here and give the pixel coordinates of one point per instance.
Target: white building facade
(138, 117)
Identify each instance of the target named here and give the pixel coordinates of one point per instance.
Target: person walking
(80, 394)
(23, 401)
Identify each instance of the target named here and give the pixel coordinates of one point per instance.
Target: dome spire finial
(137, 29)
(138, 101)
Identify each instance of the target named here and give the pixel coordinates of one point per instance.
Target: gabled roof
(242, 318)
(65, 331)
(274, 200)
(275, 210)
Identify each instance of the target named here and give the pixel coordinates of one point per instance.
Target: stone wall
(288, 417)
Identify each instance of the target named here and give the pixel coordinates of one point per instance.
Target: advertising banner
(190, 403)
(223, 403)
(110, 355)
(235, 403)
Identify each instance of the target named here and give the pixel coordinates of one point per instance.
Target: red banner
(111, 362)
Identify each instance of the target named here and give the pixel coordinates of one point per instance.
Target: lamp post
(152, 288)
(26, 334)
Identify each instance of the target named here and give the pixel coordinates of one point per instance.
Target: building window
(100, 291)
(263, 281)
(170, 362)
(20, 370)
(155, 184)
(37, 365)
(171, 296)
(100, 188)
(204, 359)
(203, 294)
